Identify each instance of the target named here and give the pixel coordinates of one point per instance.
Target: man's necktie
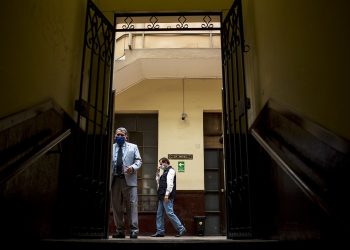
(120, 160)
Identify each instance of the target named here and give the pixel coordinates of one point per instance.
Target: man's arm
(137, 159)
(170, 181)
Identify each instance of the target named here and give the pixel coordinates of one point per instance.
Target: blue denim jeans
(168, 208)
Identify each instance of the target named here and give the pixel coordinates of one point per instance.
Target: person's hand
(130, 170)
(166, 198)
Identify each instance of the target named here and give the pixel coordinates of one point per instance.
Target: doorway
(234, 105)
(214, 179)
(167, 58)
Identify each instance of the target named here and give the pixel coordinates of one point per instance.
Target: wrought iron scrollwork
(182, 24)
(99, 36)
(207, 24)
(128, 24)
(168, 21)
(153, 20)
(231, 36)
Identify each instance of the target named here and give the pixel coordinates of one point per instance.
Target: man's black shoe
(157, 235)
(133, 235)
(181, 233)
(118, 235)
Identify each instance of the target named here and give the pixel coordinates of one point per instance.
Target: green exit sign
(181, 166)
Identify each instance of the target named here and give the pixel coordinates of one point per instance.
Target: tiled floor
(173, 238)
(176, 243)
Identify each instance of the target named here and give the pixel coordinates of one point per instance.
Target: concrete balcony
(137, 65)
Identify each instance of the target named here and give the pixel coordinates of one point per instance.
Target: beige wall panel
(176, 136)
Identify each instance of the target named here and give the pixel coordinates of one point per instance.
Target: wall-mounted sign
(180, 156)
(181, 166)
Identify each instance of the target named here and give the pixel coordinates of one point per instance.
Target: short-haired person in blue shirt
(166, 190)
(126, 161)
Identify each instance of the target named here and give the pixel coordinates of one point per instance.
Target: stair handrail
(21, 164)
(313, 196)
(278, 130)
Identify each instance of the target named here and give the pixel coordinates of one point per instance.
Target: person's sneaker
(157, 235)
(181, 233)
(118, 235)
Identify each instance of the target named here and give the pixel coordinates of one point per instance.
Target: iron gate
(95, 117)
(235, 105)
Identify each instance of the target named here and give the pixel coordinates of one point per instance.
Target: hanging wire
(183, 115)
(183, 95)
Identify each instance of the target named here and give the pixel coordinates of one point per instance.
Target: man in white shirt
(166, 190)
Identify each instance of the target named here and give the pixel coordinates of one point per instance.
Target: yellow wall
(299, 52)
(175, 135)
(41, 50)
(108, 7)
(302, 56)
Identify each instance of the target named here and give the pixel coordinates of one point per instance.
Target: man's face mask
(120, 140)
(163, 166)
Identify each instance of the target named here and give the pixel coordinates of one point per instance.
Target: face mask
(120, 140)
(163, 166)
